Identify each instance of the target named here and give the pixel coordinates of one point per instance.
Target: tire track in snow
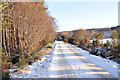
(87, 61)
(66, 66)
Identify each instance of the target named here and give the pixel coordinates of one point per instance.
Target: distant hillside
(104, 29)
(115, 28)
(95, 29)
(99, 29)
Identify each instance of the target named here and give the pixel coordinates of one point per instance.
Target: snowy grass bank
(38, 69)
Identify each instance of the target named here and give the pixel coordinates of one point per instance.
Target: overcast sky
(71, 15)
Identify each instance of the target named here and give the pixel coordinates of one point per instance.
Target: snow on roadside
(37, 70)
(108, 65)
(103, 40)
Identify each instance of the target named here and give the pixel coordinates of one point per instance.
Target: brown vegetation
(26, 28)
(82, 36)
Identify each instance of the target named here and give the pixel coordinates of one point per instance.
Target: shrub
(71, 40)
(15, 59)
(37, 56)
(83, 47)
(34, 56)
(22, 61)
(107, 44)
(77, 42)
(96, 43)
(5, 67)
(49, 46)
(5, 74)
(115, 44)
(65, 40)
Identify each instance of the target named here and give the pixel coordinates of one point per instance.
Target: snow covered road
(68, 63)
